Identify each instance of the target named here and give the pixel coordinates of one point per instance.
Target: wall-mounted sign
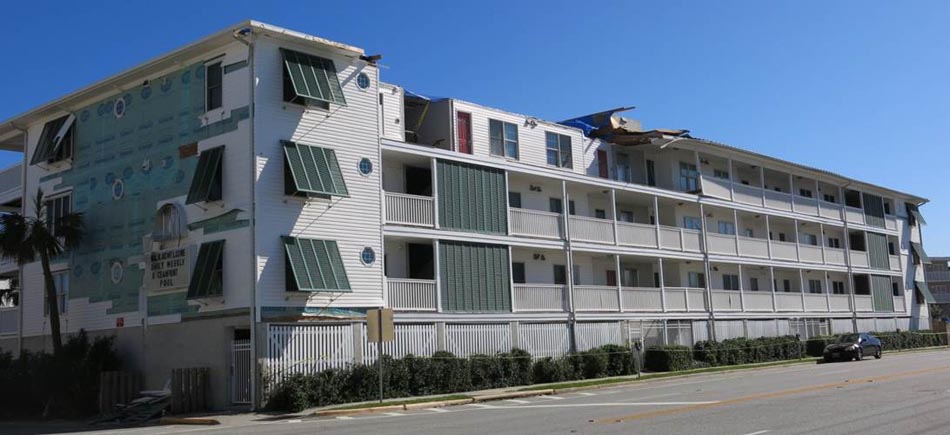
(169, 269)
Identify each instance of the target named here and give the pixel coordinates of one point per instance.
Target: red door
(464, 122)
(602, 164)
(611, 278)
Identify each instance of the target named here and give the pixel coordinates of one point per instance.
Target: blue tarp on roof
(423, 97)
(594, 121)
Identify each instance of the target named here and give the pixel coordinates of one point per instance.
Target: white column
(438, 276)
(818, 197)
(613, 214)
(565, 209)
(741, 289)
(801, 284)
(435, 191)
(662, 286)
(732, 190)
(656, 220)
(619, 282)
(798, 254)
(773, 284)
(821, 241)
(507, 205)
(762, 183)
(511, 279)
(768, 236)
(827, 289)
(735, 224)
(699, 171)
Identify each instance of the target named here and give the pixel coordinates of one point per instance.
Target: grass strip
(405, 402)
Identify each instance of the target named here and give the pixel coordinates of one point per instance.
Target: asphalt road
(901, 393)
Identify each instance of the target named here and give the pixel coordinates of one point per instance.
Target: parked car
(853, 346)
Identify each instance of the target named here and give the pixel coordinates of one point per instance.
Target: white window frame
(563, 152)
(505, 140)
(727, 228)
(61, 282)
(692, 223)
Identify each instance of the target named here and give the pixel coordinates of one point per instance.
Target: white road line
(586, 394)
(594, 405)
(342, 417)
(759, 432)
(393, 414)
(436, 410)
(479, 405)
(517, 401)
(293, 421)
(551, 397)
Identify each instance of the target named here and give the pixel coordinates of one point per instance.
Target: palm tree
(24, 238)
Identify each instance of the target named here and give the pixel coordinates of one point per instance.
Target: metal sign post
(379, 328)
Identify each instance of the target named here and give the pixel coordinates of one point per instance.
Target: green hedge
(894, 340)
(39, 384)
(747, 351)
(668, 358)
(444, 373)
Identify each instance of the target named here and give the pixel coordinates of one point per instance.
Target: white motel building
(249, 196)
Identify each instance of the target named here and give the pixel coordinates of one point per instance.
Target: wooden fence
(190, 390)
(117, 387)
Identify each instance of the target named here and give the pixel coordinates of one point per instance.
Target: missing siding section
(188, 150)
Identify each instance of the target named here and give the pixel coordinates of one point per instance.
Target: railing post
(435, 192)
(735, 219)
(656, 220)
(798, 241)
(773, 284)
(741, 290)
(438, 276)
(768, 236)
(613, 213)
(762, 183)
(619, 277)
(732, 189)
(662, 286)
(511, 277)
(827, 292)
(801, 283)
(821, 241)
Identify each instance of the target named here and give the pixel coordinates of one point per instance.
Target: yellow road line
(770, 395)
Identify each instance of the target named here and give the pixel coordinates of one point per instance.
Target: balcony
(540, 297)
(788, 302)
(596, 298)
(859, 259)
(890, 222)
(680, 239)
(726, 300)
(816, 302)
(829, 210)
(784, 251)
(839, 303)
(536, 223)
(405, 209)
(642, 235)
(894, 262)
(11, 183)
(753, 247)
(862, 303)
(721, 244)
(778, 200)
(834, 256)
(899, 306)
(586, 229)
(642, 299)
(854, 215)
(685, 299)
(9, 320)
(411, 294)
(758, 301)
(809, 253)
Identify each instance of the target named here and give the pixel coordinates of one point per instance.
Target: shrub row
(444, 373)
(895, 340)
(64, 385)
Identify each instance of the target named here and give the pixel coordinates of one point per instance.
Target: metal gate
(241, 361)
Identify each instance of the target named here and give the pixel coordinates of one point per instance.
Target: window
(730, 282)
(651, 173)
(688, 177)
(56, 141)
(310, 80)
(894, 289)
(804, 192)
(600, 214)
(829, 198)
(560, 274)
(786, 285)
(169, 223)
(207, 278)
(55, 208)
(890, 248)
(814, 286)
(362, 81)
(213, 86)
(312, 171)
(559, 150)
(504, 138)
(728, 228)
(365, 166)
(852, 198)
(626, 216)
(809, 239)
(781, 237)
(719, 173)
(837, 287)
(514, 199)
(692, 223)
(887, 207)
(834, 242)
(206, 184)
(314, 265)
(754, 284)
(368, 256)
(630, 278)
(656, 279)
(570, 207)
(749, 232)
(696, 279)
(623, 167)
(61, 283)
(555, 205)
(576, 275)
(517, 273)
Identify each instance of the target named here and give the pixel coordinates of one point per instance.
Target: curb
(193, 421)
(403, 407)
(513, 395)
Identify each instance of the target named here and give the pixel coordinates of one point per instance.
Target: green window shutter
(207, 278)
(206, 183)
(313, 77)
(51, 139)
(475, 277)
(311, 170)
(472, 198)
(882, 297)
(874, 210)
(878, 255)
(925, 294)
(919, 253)
(913, 214)
(314, 265)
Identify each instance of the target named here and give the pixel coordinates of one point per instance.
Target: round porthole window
(116, 272)
(118, 189)
(118, 109)
(362, 81)
(366, 166)
(368, 256)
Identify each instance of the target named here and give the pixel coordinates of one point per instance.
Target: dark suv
(853, 346)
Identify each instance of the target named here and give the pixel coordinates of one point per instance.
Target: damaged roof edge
(11, 127)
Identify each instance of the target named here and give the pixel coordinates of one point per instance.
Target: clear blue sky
(836, 85)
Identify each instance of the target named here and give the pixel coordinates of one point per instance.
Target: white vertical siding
(544, 339)
(591, 335)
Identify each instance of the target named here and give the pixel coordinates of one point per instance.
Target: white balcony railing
(680, 239)
(805, 205)
(752, 247)
(11, 180)
(899, 306)
(747, 194)
(536, 223)
(830, 210)
(758, 301)
(788, 302)
(859, 259)
(784, 251)
(596, 298)
(540, 297)
(854, 215)
(642, 299)
(717, 187)
(809, 253)
(588, 229)
(778, 200)
(839, 302)
(411, 294)
(834, 256)
(9, 320)
(675, 298)
(890, 222)
(697, 299)
(405, 209)
(862, 303)
(895, 262)
(631, 234)
(726, 300)
(721, 244)
(816, 302)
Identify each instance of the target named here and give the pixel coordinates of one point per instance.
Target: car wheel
(877, 355)
(859, 354)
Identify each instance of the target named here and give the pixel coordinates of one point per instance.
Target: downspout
(240, 36)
